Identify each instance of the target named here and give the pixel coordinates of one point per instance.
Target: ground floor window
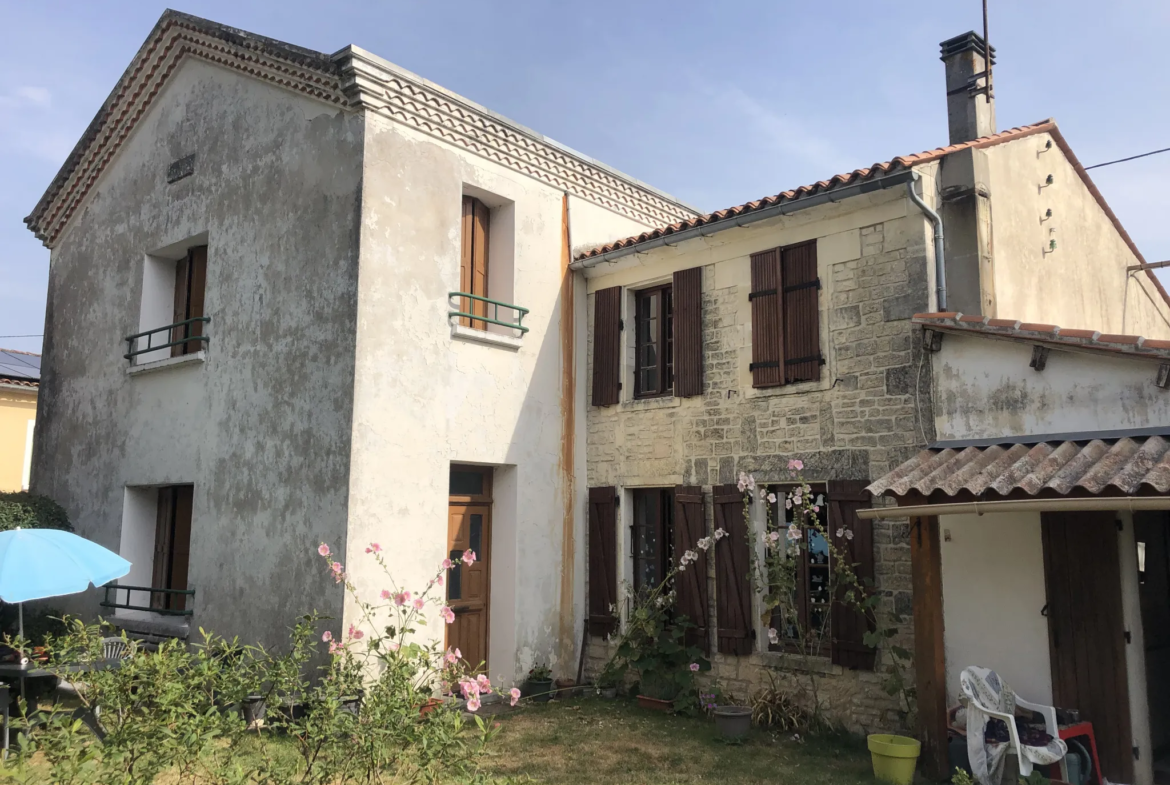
(651, 536)
(808, 615)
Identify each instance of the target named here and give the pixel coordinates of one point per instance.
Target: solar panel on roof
(19, 365)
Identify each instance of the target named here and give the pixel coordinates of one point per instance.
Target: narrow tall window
(172, 546)
(190, 286)
(473, 264)
(654, 343)
(653, 508)
(811, 600)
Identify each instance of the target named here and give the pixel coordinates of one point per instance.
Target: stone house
(19, 380)
(298, 297)
(781, 329)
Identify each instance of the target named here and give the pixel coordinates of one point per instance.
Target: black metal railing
(168, 602)
(179, 334)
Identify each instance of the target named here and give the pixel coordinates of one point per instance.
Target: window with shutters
(654, 342)
(486, 292)
(785, 303)
(172, 546)
(812, 603)
(173, 320)
(651, 538)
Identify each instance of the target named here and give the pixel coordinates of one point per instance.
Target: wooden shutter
(802, 329)
(733, 588)
(767, 364)
(688, 332)
(602, 559)
(196, 293)
(180, 555)
(690, 526)
(473, 260)
(848, 626)
(182, 288)
(163, 536)
(607, 338)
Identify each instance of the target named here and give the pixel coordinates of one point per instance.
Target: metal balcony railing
(168, 602)
(178, 334)
(463, 311)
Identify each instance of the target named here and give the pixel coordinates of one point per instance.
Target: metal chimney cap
(969, 41)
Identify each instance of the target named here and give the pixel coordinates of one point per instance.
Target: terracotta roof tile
(8, 381)
(1129, 345)
(836, 181)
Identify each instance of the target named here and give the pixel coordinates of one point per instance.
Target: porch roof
(1127, 466)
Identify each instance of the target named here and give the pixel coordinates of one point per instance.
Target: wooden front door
(469, 526)
(1086, 630)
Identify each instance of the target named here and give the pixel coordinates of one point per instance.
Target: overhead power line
(38, 335)
(1131, 158)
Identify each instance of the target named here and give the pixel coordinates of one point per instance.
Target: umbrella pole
(20, 616)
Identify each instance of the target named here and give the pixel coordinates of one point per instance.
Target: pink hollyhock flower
(447, 564)
(335, 647)
(418, 603)
(393, 646)
(794, 532)
(439, 579)
(473, 704)
(385, 594)
(720, 533)
(515, 693)
(484, 683)
(773, 536)
(796, 465)
(468, 557)
(401, 598)
(447, 614)
(694, 667)
(816, 508)
(355, 633)
(327, 636)
(773, 636)
(323, 549)
(374, 548)
(771, 498)
(452, 657)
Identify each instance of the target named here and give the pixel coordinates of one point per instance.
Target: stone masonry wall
(863, 418)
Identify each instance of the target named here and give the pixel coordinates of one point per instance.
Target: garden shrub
(30, 511)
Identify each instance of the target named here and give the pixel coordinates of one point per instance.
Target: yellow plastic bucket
(894, 757)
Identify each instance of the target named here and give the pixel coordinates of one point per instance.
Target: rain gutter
(1105, 503)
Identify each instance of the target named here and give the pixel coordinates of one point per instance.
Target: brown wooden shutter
(767, 364)
(733, 587)
(607, 339)
(473, 260)
(467, 232)
(602, 559)
(688, 332)
(182, 287)
(802, 329)
(180, 555)
(848, 626)
(197, 293)
(163, 536)
(690, 526)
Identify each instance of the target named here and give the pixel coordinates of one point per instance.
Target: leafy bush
(30, 511)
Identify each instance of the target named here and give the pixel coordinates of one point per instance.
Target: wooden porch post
(930, 664)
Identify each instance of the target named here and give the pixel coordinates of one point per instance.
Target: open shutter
(848, 627)
(163, 532)
(473, 260)
(802, 329)
(733, 588)
(607, 337)
(182, 287)
(197, 259)
(690, 526)
(767, 364)
(688, 332)
(602, 559)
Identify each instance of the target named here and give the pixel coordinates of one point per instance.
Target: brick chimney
(970, 113)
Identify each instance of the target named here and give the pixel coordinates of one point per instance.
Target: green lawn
(595, 741)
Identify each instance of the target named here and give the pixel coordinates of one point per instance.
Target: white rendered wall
(1135, 651)
(139, 522)
(993, 591)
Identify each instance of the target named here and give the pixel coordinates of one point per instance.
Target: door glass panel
(476, 533)
(465, 483)
(454, 577)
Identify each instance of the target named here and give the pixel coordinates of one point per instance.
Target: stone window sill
(650, 404)
(461, 332)
(789, 389)
(795, 662)
(198, 358)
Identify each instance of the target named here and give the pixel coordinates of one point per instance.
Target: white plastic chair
(981, 681)
(115, 649)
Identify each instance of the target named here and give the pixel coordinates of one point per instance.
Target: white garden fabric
(987, 696)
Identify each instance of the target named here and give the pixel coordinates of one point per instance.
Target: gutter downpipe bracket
(940, 267)
(784, 208)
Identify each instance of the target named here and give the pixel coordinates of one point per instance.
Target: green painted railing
(475, 317)
(133, 351)
(160, 599)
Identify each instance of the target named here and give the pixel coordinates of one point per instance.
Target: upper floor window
(786, 342)
(654, 342)
(473, 261)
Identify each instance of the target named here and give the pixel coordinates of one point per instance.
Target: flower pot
(894, 757)
(540, 690)
(253, 709)
(429, 706)
(655, 704)
(565, 688)
(733, 722)
(607, 693)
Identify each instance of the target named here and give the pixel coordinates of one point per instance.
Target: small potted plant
(608, 680)
(539, 684)
(657, 691)
(565, 688)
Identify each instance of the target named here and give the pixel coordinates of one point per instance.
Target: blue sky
(716, 104)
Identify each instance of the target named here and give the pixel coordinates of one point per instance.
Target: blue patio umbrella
(40, 563)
